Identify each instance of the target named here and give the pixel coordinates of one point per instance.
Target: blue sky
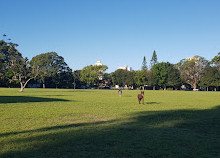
(117, 32)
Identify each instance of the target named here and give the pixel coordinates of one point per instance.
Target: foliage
(140, 77)
(107, 79)
(191, 70)
(216, 60)
(152, 79)
(160, 73)
(174, 79)
(4, 57)
(51, 65)
(211, 77)
(90, 75)
(76, 79)
(153, 60)
(20, 67)
(123, 77)
(144, 64)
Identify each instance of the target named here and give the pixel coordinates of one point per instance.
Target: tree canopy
(191, 70)
(123, 77)
(50, 65)
(91, 75)
(153, 60)
(160, 73)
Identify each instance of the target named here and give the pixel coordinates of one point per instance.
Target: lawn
(98, 123)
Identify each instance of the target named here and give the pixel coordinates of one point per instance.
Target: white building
(125, 67)
(98, 63)
(196, 58)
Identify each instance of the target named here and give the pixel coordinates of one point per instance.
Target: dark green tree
(123, 77)
(160, 73)
(153, 60)
(216, 61)
(152, 81)
(210, 78)
(144, 64)
(52, 65)
(107, 80)
(140, 78)
(174, 79)
(76, 79)
(4, 59)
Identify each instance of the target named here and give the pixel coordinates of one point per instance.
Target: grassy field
(98, 123)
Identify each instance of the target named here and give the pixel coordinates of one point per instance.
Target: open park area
(60, 123)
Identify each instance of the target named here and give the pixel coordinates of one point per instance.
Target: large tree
(152, 79)
(51, 65)
(140, 78)
(123, 77)
(5, 72)
(210, 78)
(191, 69)
(91, 75)
(160, 73)
(4, 59)
(21, 68)
(174, 79)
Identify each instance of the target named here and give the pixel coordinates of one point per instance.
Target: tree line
(49, 70)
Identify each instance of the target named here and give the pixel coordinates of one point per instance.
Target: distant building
(196, 58)
(98, 63)
(125, 67)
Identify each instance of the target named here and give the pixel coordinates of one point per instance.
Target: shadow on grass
(182, 133)
(152, 103)
(25, 99)
(54, 128)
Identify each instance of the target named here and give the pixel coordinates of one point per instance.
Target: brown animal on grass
(141, 97)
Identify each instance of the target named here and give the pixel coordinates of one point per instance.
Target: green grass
(98, 123)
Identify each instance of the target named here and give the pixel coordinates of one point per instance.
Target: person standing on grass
(119, 92)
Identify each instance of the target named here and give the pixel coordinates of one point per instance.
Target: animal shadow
(152, 103)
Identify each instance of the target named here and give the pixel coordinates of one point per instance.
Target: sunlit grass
(99, 123)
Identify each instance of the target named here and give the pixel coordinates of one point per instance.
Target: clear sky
(117, 32)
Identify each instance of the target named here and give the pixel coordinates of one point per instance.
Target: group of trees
(50, 70)
(44, 68)
(195, 72)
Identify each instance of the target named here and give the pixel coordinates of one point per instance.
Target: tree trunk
(164, 88)
(22, 87)
(154, 88)
(207, 88)
(44, 85)
(194, 86)
(215, 89)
